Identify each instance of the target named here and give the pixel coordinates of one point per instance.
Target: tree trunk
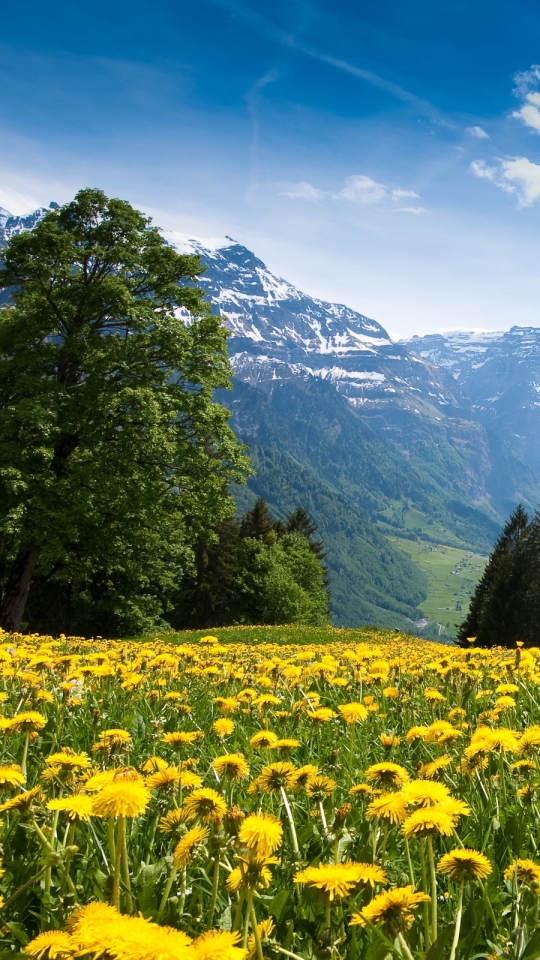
(16, 591)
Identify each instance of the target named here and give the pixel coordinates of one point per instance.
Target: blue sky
(384, 155)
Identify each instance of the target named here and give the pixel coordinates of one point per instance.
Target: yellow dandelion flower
(392, 909)
(416, 733)
(186, 847)
(252, 872)
(153, 764)
(23, 801)
(11, 777)
(121, 798)
(53, 945)
(217, 945)
(428, 821)
(205, 804)
(529, 742)
(361, 790)
(182, 738)
(353, 712)
(78, 807)
(226, 704)
(67, 760)
(422, 793)
(277, 775)
(264, 740)
(336, 880)
(464, 864)
(389, 740)
(231, 766)
(112, 741)
(428, 771)
(303, 774)
(261, 833)
(322, 715)
(28, 721)
(319, 787)
(391, 807)
(173, 822)
(387, 774)
(523, 871)
(223, 727)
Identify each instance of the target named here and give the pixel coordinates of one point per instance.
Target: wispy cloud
(356, 189)
(265, 26)
(417, 210)
(478, 132)
(304, 191)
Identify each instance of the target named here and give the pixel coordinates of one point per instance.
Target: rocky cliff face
(416, 394)
(499, 372)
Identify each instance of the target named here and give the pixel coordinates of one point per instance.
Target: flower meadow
(355, 799)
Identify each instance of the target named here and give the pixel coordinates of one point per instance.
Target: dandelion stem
(258, 945)
(247, 919)
(294, 839)
(425, 889)
(409, 862)
(125, 871)
(166, 892)
(404, 947)
(457, 928)
(213, 895)
(118, 863)
(433, 888)
(25, 752)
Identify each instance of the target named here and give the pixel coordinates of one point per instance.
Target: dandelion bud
(233, 820)
(341, 815)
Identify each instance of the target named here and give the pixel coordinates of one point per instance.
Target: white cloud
(478, 132)
(361, 189)
(527, 175)
(529, 112)
(417, 210)
(520, 176)
(404, 194)
(495, 174)
(16, 202)
(303, 191)
(356, 189)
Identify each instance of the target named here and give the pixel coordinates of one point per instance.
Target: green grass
(447, 591)
(293, 633)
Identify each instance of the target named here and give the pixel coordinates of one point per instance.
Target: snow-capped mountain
(280, 333)
(500, 374)
(11, 224)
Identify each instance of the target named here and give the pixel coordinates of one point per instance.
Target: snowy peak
(11, 225)
(279, 332)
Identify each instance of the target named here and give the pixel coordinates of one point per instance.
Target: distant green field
(452, 576)
(288, 634)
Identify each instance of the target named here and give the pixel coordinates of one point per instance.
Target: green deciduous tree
(258, 570)
(114, 458)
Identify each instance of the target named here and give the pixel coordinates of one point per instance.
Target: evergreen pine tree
(257, 522)
(496, 613)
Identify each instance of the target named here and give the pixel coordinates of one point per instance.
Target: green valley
(452, 574)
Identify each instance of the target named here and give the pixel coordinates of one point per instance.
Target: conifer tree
(497, 611)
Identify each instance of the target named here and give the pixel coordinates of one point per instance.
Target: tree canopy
(114, 457)
(258, 570)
